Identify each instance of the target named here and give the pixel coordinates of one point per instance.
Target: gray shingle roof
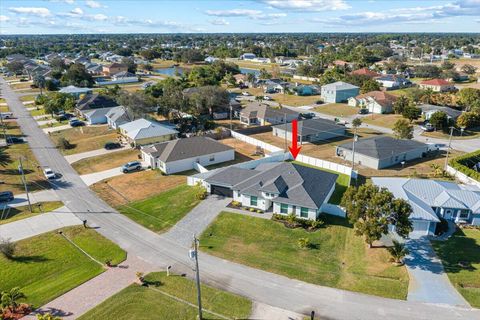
(260, 110)
(185, 148)
(452, 113)
(383, 147)
(339, 85)
(118, 115)
(313, 126)
(230, 176)
(142, 129)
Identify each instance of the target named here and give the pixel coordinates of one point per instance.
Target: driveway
(197, 220)
(84, 155)
(95, 177)
(35, 197)
(428, 280)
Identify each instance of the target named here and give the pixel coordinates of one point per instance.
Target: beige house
(114, 68)
(142, 132)
(437, 85)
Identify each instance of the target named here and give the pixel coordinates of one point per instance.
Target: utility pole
(353, 155)
(194, 255)
(448, 149)
(3, 128)
(24, 181)
(285, 121)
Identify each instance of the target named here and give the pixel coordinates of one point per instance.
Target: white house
(261, 114)
(117, 116)
(247, 56)
(437, 85)
(97, 116)
(375, 101)
(141, 132)
(183, 154)
(434, 199)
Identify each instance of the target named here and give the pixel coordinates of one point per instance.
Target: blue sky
(129, 16)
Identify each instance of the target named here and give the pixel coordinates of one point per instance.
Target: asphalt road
(261, 286)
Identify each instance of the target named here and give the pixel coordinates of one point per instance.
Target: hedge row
(465, 162)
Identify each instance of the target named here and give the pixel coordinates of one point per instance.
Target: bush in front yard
(292, 221)
(7, 248)
(64, 144)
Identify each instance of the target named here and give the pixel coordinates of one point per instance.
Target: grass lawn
(401, 92)
(29, 97)
(37, 112)
(472, 133)
(382, 120)
(10, 214)
(85, 138)
(21, 85)
(138, 302)
(339, 258)
(105, 161)
(46, 266)
(464, 245)
(54, 124)
(162, 211)
(293, 100)
(337, 109)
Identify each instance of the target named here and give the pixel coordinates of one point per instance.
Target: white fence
(300, 158)
(462, 177)
(296, 77)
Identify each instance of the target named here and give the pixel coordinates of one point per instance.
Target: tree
(468, 69)
(77, 75)
(15, 67)
(469, 99)
(357, 122)
(403, 129)
(439, 120)
(411, 112)
(427, 96)
(264, 74)
(4, 157)
(208, 99)
(51, 85)
(7, 248)
(370, 85)
(400, 104)
(137, 103)
(39, 82)
(398, 251)
(468, 120)
(64, 144)
(371, 210)
(437, 170)
(130, 63)
(58, 101)
(447, 65)
(10, 299)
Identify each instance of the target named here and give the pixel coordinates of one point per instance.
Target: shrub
(64, 144)
(465, 162)
(200, 192)
(236, 203)
(259, 211)
(7, 248)
(304, 243)
(252, 209)
(40, 99)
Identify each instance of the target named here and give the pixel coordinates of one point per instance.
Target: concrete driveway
(88, 154)
(428, 280)
(95, 177)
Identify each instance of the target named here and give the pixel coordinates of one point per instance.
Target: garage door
(222, 191)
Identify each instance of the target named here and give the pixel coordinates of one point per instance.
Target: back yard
(461, 258)
(337, 258)
(85, 138)
(138, 302)
(46, 266)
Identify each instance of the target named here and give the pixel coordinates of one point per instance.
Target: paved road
(255, 284)
(35, 197)
(428, 280)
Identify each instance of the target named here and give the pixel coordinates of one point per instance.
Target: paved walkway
(79, 156)
(26, 228)
(265, 215)
(197, 220)
(428, 280)
(35, 197)
(79, 300)
(95, 177)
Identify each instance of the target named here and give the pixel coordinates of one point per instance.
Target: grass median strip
(11, 214)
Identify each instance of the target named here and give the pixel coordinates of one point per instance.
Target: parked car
(268, 98)
(245, 93)
(64, 116)
(363, 111)
(76, 123)
(48, 173)
(112, 145)
(6, 196)
(6, 115)
(427, 127)
(307, 115)
(12, 140)
(131, 166)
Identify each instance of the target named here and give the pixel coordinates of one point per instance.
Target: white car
(268, 98)
(49, 174)
(245, 93)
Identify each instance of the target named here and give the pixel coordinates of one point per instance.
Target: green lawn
(105, 161)
(39, 112)
(85, 138)
(10, 214)
(464, 245)
(337, 109)
(162, 211)
(46, 266)
(339, 258)
(29, 97)
(138, 302)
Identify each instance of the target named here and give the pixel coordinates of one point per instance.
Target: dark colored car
(11, 140)
(76, 123)
(363, 111)
(112, 145)
(6, 196)
(64, 116)
(307, 115)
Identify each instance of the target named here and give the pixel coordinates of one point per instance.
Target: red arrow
(294, 149)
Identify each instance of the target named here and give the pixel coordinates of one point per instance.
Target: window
(283, 208)
(253, 201)
(304, 212)
(212, 158)
(463, 214)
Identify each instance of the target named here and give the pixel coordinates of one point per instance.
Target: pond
(247, 71)
(171, 71)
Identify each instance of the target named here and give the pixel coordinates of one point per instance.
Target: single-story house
(125, 77)
(76, 91)
(141, 132)
(97, 116)
(114, 68)
(257, 113)
(375, 101)
(382, 151)
(338, 91)
(365, 72)
(282, 187)
(429, 109)
(93, 101)
(247, 56)
(182, 154)
(432, 199)
(391, 82)
(311, 130)
(437, 85)
(117, 116)
(306, 90)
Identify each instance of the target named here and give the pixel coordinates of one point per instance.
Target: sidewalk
(80, 156)
(26, 228)
(79, 300)
(35, 197)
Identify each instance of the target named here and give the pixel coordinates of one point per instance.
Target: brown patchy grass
(295, 101)
(242, 149)
(337, 109)
(457, 135)
(85, 138)
(106, 161)
(29, 97)
(136, 186)
(382, 120)
(21, 85)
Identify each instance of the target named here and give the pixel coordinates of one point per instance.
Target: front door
(448, 214)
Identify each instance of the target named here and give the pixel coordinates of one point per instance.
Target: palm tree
(427, 96)
(398, 251)
(39, 81)
(437, 170)
(10, 298)
(4, 158)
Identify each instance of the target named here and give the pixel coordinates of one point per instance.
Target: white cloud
(233, 13)
(4, 18)
(308, 5)
(98, 17)
(77, 12)
(34, 11)
(66, 1)
(219, 22)
(94, 4)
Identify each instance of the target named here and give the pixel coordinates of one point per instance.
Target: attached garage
(221, 191)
